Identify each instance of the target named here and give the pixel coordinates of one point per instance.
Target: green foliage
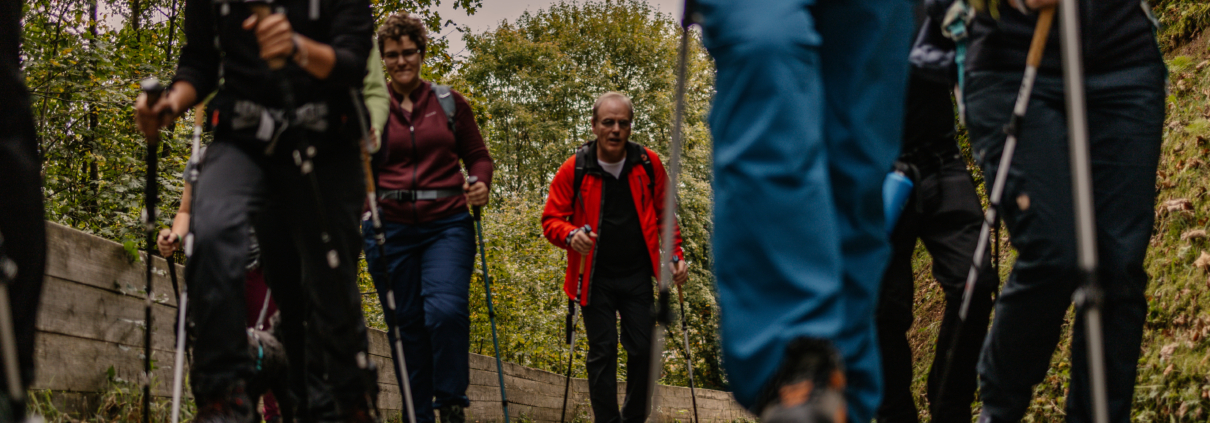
(1181, 20)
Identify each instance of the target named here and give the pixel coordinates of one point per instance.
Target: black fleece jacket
(219, 48)
(1117, 34)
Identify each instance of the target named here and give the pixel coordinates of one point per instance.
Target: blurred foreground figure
(806, 122)
(23, 242)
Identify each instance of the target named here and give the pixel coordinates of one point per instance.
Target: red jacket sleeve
(556, 217)
(661, 194)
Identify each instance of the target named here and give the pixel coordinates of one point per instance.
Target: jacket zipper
(415, 170)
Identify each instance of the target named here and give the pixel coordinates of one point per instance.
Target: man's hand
(476, 195)
(582, 241)
(274, 34)
(680, 272)
(151, 117)
(167, 242)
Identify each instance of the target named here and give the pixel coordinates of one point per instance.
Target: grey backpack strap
(446, 98)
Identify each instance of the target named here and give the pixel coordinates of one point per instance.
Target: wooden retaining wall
(91, 319)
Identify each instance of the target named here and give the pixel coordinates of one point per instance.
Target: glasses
(406, 54)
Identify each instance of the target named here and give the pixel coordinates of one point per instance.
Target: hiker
(430, 235)
(943, 212)
(1124, 82)
(298, 183)
(21, 214)
(806, 123)
(259, 304)
(617, 187)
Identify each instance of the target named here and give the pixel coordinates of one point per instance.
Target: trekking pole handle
(477, 211)
(262, 10)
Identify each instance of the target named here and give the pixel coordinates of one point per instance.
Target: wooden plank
(86, 311)
(92, 260)
(67, 363)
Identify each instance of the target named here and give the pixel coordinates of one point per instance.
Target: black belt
(418, 195)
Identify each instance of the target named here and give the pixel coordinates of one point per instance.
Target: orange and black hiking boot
(809, 386)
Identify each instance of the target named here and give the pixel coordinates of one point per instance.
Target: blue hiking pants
(806, 122)
(430, 268)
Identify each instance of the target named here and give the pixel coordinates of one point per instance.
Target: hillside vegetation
(1174, 369)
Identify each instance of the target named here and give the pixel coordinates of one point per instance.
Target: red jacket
(561, 216)
(420, 153)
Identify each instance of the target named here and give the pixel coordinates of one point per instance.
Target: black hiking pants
(239, 187)
(1125, 122)
(632, 299)
(944, 213)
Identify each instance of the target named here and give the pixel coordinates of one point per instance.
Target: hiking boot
(453, 414)
(809, 386)
(232, 406)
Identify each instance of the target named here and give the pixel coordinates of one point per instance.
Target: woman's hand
(477, 194)
(274, 34)
(167, 242)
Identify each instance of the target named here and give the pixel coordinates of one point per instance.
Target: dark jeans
(1125, 122)
(631, 298)
(238, 187)
(945, 214)
(430, 267)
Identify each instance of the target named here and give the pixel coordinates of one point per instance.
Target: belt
(270, 123)
(418, 195)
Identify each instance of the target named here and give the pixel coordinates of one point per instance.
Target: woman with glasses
(430, 240)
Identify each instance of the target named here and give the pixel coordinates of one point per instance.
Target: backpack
(582, 158)
(446, 99)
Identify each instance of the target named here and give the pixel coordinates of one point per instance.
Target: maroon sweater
(420, 153)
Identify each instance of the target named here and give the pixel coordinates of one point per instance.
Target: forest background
(531, 83)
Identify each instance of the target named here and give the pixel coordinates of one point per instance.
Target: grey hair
(612, 95)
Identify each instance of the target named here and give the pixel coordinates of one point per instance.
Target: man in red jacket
(621, 197)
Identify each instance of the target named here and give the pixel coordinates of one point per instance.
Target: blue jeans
(430, 267)
(806, 122)
(1125, 122)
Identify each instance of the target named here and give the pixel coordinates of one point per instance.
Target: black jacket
(1117, 34)
(219, 47)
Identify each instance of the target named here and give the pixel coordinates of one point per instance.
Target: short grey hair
(612, 95)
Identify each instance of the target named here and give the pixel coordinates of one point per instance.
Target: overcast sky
(494, 11)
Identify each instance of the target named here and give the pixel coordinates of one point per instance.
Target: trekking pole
(1090, 295)
(662, 314)
(8, 334)
(182, 304)
(379, 244)
(264, 309)
(571, 330)
(153, 90)
(680, 292)
(487, 288)
(1037, 46)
